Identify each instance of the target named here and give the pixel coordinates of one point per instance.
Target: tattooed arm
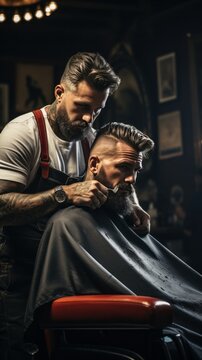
(18, 209)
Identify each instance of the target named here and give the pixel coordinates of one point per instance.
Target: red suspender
(44, 163)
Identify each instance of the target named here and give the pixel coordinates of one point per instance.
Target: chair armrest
(108, 310)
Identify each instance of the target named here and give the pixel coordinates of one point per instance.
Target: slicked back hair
(91, 67)
(127, 133)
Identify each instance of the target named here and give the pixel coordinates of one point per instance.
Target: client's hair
(127, 133)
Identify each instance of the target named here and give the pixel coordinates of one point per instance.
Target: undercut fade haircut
(91, 67)
(127, 133)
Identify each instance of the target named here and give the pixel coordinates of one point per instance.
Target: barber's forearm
(20, 209)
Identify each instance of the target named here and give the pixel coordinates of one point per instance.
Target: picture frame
(34, 86)
(166, 77)
(4, 104)
(170, 135)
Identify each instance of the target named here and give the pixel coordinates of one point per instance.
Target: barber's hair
(91, 67)
(127, 133)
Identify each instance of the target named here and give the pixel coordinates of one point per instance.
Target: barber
(39, 152)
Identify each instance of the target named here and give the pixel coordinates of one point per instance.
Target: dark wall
(172, 31)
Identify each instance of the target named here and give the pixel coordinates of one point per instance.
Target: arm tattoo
(19, 209)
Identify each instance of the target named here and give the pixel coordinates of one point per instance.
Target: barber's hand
(140, 220)
(89, 193)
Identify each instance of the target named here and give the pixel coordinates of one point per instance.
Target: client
(85, 251)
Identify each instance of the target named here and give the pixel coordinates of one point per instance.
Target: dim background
(156, 48)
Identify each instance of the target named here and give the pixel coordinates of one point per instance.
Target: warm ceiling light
(16, 17)
(39, 13)
(28, 15)
(17, 10)
(53, 5)
(2, 17)
(47, 10)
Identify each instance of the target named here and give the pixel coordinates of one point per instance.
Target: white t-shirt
(20, 150)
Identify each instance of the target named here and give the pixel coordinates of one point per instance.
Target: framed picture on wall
(166, 77)
(4, 104)
(170, 135)
(34, 86)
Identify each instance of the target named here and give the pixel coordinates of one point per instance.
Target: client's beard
(121, 203)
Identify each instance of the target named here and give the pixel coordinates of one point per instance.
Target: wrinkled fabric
(95, 252)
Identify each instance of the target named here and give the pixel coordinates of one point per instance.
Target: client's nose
(131, 179)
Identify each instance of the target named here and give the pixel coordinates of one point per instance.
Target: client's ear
(93, 164)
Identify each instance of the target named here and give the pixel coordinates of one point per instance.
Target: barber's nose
(89, 117)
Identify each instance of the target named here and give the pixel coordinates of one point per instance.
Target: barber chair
(109, 327)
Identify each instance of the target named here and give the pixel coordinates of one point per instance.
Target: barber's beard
(71, 131)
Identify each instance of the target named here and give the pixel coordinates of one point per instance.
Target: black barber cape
(87, 251)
